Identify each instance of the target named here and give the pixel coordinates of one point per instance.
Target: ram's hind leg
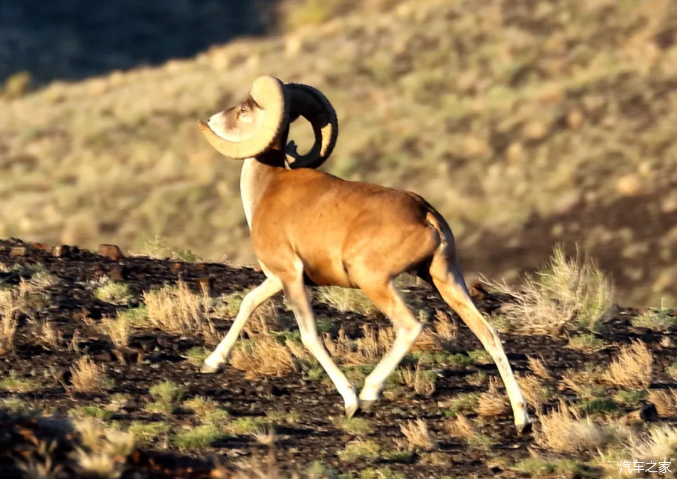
(407, 328)
(269, 288)
(448, 280)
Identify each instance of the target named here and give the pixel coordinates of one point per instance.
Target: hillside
(99, 378)
(525, 123)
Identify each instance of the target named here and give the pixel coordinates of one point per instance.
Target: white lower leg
(401, 346)
(250, 302)
(343, 386)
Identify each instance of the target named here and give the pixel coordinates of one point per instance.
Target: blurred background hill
(526, 123)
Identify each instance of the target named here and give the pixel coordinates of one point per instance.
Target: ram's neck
(254, 180)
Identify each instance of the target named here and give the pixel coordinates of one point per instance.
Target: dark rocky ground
(314, 436)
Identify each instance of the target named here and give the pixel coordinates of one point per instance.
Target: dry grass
(665, 401)
(418, 435)
(346, 299)
(263, 356)
(10, 305)
(87, 376)
(365, 350)
(461, 426)
(660, 445)
(563, 430)
(46, 334)
(117, 329)
(565, 294)
(632, 368)
(537, 365)
(104, 452)
(492, 402)
(420, 380)
(177, 310)
(437, 336)
(534, 391)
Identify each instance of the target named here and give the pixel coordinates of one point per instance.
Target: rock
(118, 273)
(111, 251)
(535, 130)
(61, 251)
(176, 267)
(39, 246)
(628, 185)
(128, 355)
(18, 251)
(575, 119)
(206, 283)
(104, 357)
(647, 413)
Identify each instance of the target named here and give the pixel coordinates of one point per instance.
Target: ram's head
(255, 125)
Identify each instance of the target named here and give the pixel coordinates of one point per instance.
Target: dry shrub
(365, 350)
(418, 435)
(46, 334)
(664, 400)
(564, 291)
(538, 367)
(660, 445)
(577, 380)
(421, 381)
(438, 336)
(263, 356)
(10, 305)
(564, 431)
(460, 426)
(87, 376)
(177, 310)
(117, 329)
(534, 391)
(346, 299)
(103, 452)
(632, 368)
(264, 320)
(492, 402)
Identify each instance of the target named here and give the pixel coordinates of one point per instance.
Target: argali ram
(310, 227)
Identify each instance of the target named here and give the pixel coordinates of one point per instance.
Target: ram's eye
(242, 109)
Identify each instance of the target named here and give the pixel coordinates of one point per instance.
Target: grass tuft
(632, 368)
(566, 294)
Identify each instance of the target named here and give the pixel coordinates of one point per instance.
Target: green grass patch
(113, 292)
(168, 391)
(146, 432)
(96, 412)
(160, 407)
(245, 425)
(587, 343)
(198, 437)
(656, 319)
(197, 355)
(14, 384)
(462, 404)
(360, 450)
(631, 398)
(356, 426)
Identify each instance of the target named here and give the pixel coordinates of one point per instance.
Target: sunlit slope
(524, 123)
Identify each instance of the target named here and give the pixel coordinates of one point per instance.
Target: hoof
(351, 410)
(366, 406)
(207, 369)
(524, 428)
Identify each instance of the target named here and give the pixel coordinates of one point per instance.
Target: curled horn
(310, 103)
